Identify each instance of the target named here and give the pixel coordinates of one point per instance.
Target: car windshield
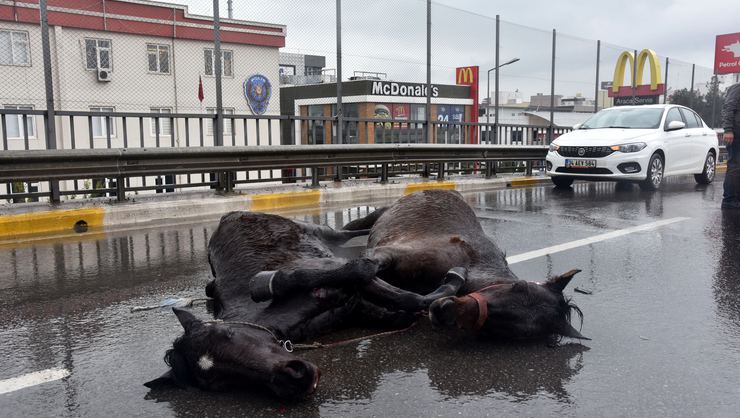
(626, 118)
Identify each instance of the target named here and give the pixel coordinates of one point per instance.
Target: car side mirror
(675, 125)
(577, 126)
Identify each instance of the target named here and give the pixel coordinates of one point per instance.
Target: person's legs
(731, 198)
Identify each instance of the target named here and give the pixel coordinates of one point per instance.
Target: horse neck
(480, 276)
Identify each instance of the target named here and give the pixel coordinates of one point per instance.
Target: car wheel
(562, 182)
(707, 176)
(654, 174)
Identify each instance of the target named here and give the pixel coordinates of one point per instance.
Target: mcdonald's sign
(642, 93)
(468, 76)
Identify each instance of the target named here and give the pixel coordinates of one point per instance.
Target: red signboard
(727, 54)
(468, 76)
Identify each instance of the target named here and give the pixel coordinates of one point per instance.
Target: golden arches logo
(465, 76)
(626, 60)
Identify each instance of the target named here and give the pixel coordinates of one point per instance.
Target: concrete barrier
(77, 216)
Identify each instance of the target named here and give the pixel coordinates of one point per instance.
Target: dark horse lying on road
(426, 242)
(418, 239)
(249, 343)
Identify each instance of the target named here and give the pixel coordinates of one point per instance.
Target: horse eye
(520, 286)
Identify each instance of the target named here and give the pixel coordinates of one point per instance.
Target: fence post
(552, 90)
(428, 110)
(691, 94)
(634, 77)
(596, 87)
(340, 110)
(49, 117)
(224, 178)
(496, 93)
(218, 129)
(428, 116)
(665, 80)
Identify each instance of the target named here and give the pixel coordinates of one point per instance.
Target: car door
(676, 143)
(695, 147)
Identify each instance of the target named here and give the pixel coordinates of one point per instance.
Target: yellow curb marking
(415, 187)
(721, 168)
(270, 201)
(49, 221)
(526, 181)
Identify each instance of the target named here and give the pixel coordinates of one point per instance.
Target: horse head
(220, 355)
(512, 310)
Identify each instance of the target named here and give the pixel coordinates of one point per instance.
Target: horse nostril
(296, 369)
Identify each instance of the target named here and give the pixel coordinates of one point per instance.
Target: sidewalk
(32, 221)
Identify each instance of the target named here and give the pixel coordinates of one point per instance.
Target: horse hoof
(260, 287)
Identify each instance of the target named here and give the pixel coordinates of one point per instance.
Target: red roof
(143, 17)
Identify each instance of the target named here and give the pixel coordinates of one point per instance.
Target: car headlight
(554, 147)
(637, 146)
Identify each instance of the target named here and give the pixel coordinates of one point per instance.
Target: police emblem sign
(257, 90)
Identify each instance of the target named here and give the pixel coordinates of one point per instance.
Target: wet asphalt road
(664, 316)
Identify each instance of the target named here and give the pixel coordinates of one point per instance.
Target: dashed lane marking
(32, 379)
(587, 241)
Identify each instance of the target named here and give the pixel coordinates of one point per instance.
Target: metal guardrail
(75, 164)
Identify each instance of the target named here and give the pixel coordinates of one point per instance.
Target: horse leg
(267, 285)
(365, 223)
(329, 235)
(383, 293)
(369, 314)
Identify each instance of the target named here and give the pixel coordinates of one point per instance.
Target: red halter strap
(482, 305)
(482, 309)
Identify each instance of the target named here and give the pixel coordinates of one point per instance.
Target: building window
(350, 131)
(165, 124)
(227, 122)
(101, 124)
(14, 48)
(14, 123)
(286, 69)
(316, 127)
(227, 62)
(97, 54)
(313, 70)
(159, 58)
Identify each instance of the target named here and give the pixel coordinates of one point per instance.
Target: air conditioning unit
(104, 74)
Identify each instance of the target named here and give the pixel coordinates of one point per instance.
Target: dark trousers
(731, 197)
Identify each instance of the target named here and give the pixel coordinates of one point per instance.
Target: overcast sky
(389, 36)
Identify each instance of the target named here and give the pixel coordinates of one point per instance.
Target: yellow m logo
(627, 60)
(465, 75)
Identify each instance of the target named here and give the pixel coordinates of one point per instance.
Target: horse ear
(567, 330)
(558, 283)
(187, 319)
(167, 380)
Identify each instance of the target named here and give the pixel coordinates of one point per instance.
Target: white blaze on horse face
(205, 362)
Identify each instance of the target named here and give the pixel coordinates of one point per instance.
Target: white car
(635, 144)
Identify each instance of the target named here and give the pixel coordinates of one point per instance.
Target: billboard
(638, 93)
(727, 54)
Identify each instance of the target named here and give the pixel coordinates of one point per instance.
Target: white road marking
(587, 241)
(32, 379)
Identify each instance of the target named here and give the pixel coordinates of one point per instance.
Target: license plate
(580, 163)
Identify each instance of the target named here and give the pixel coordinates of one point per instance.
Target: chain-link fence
(126, 74)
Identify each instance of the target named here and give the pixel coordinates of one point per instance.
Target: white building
(130, 56)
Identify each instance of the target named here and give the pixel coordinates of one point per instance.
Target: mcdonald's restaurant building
(377, 99)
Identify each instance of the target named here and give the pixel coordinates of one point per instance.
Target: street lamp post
(488, 88)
